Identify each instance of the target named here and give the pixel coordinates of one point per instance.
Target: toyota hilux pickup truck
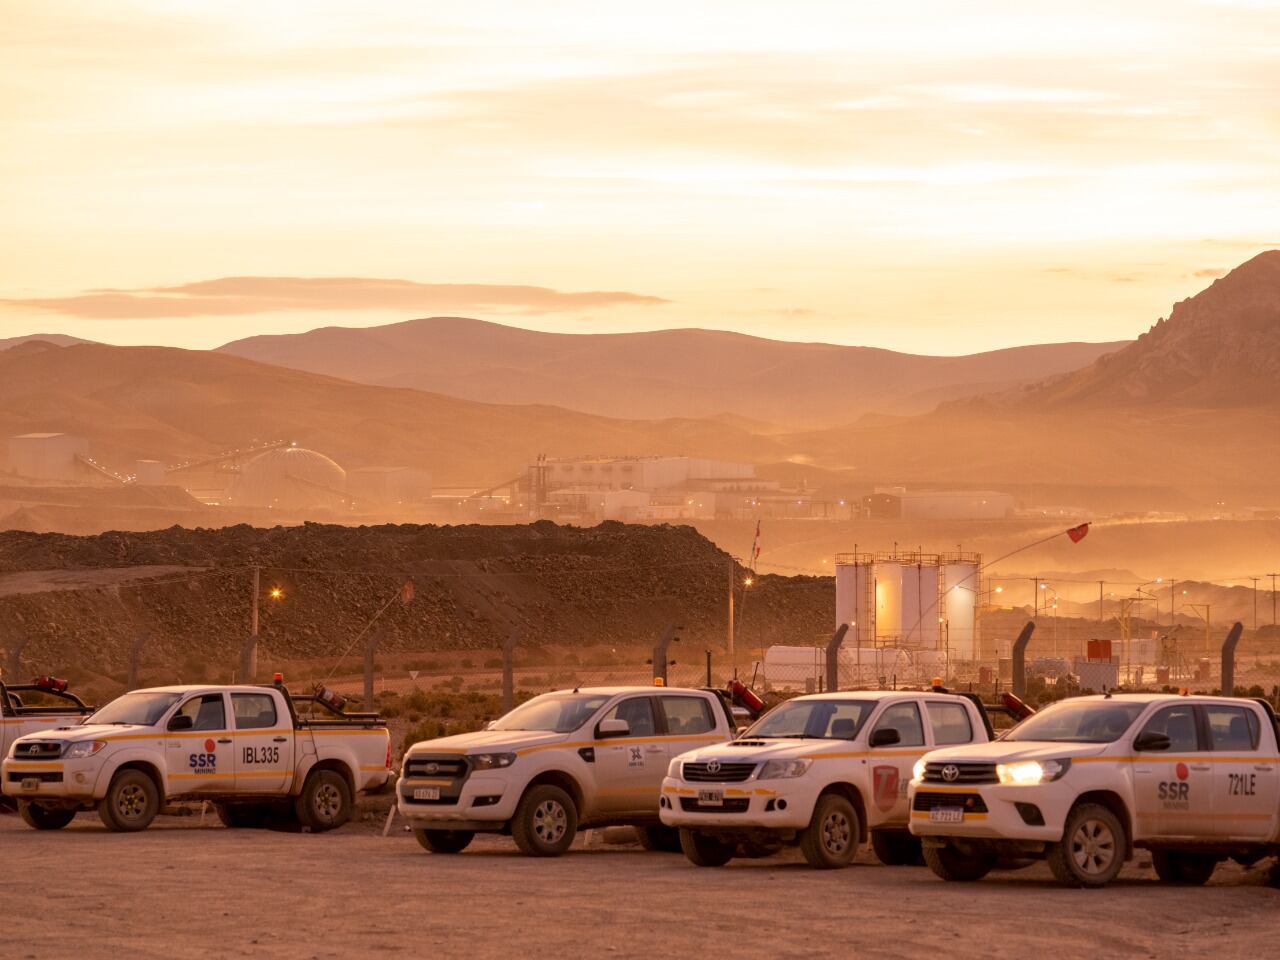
(42, 704)
(1086, 781)
(563, 761)
(825, 772)
(248, 749)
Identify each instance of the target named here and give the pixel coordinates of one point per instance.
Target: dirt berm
(612, 584)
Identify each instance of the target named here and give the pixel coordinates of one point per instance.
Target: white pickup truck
(589, 757)
(42, 704)
(1084, 782)
(246, 748)
(823, 771)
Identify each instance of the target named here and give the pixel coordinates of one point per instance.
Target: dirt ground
(179, 890)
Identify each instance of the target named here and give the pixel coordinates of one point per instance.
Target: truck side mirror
(613, 728)
(1149, 740)
(884, 737)
(182, 722)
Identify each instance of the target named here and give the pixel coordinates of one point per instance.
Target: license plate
(30, 783)
(711, 798)
(946, 815)
(426, 793)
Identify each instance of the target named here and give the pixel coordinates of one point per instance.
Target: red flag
(1078, 533)
(406, 591)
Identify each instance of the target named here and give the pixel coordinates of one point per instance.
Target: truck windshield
(817, 719)
(1093, 721)
(143, 709)
(552, 712)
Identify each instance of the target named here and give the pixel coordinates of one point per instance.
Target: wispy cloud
(235, 296)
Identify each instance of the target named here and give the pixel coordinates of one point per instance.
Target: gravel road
(179, 890)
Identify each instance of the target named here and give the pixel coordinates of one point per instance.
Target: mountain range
(665, 373)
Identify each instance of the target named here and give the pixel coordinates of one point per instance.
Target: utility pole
(1273, 596)
(1100, 584)
(733, 576)
(1037, 596)
(249, 652)
(1255, 603)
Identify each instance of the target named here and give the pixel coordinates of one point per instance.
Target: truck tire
(39, 817)
(242, 816)
(545, 822)
(444, 841)
(897, 848)
(705, 850)
(951, 864)
(1091, 851)
(659, 839)
(1187, 869)
(131, 803)
(325, 801)
(831, 839)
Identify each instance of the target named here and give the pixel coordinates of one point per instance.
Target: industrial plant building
(898, 503)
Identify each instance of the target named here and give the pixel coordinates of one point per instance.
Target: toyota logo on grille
(713, 766)
(951, 773)
(432, 768)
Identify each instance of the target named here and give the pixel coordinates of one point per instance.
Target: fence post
(509, 671)
(135, 657)
(14, 666)
(1229, 659)
(370, 646)
(660, 653)
(1019, 664)
(833, 657)
(248, 659)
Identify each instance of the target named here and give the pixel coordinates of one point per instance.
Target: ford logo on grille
(951, 773)
(713, 766)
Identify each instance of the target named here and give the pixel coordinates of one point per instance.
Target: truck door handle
(1266, 768)
(653, 749)
(224, 739)
(1199, 766)
(279, 739)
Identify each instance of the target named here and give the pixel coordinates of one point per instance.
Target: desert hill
(57, 339)
(170, 404)
(665, 373)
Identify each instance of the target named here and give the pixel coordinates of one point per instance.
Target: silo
(920, 615)
(853, 600)
(888, 623)
(960, 581)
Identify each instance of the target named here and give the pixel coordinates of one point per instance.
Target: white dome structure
(290, 478)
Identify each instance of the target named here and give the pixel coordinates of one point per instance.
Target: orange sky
(924, 176)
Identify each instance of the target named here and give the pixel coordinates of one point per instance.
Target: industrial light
(747, 582)
(276, 593)
(999, 589)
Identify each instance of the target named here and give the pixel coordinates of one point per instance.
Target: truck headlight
(917, 772)
(491, 761)
(783, 769)
(85, 748)
(674, 769)
(1030, 772)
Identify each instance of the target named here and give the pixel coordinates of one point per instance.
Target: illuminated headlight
(783, 769)
(85, 748)
(1031, 772)
(917, 772)
(491, 761)
(675, 769)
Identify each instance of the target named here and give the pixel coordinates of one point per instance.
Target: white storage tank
(959, 610)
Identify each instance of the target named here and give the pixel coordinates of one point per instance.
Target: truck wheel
(444, 841)
(897, 848)
(545, 822)
(242, 816)
(1188, 869)
(131, 803)
(704, 850)
(1091, 851)
(325, 801)
(951, 864)
(659, 839)
(44, 818)
(831, 839)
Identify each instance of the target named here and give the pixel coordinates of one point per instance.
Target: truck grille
(965, 773)
(691, 805)
(700, 772)
(17, 776)
(454, 768)
(37, 750)
(971, 802)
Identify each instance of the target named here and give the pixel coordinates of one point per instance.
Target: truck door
(891, 765)
(688, 722)
(629, 770)
(200, 758)
(1173, 789)
(1246, 782)
(264, 744)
